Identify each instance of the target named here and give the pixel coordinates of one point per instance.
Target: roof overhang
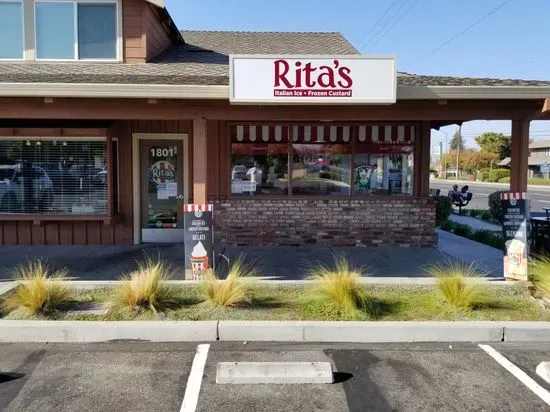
(158, 3)
(156, 91)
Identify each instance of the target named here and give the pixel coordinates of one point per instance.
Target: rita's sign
(313, 79)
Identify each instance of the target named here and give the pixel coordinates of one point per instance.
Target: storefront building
(295, 139)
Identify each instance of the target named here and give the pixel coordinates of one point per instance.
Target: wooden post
(200, 163)
(520, 155)
(422, 161)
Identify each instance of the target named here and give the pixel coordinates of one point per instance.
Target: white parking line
(191, 397)
(518, 373)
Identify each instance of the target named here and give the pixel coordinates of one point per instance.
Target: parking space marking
(194, 382)
(518, 373)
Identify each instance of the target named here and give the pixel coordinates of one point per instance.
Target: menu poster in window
(198, 240)
(516, 215)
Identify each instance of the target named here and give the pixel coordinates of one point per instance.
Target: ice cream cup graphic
(515, 248)
(199, 260)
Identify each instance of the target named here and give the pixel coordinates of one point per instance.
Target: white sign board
(257, 79)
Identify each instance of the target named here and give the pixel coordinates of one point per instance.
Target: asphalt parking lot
(129, 376)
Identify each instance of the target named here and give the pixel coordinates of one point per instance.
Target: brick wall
(373, 222)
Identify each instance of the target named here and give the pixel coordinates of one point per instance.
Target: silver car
(13, 190)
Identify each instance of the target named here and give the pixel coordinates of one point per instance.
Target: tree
(457, 141)
(471, 160)
(496, 143)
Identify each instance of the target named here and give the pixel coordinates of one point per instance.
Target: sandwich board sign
(514, 228)
(198, 240)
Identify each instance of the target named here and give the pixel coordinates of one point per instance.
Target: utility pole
(458, 143)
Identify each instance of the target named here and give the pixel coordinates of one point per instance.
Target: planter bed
(293, 303)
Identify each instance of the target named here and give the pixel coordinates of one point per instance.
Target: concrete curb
(425, 281)
(361, 331)
(284, 373)
(6, 287)
(527, 332)
(12, 331)
(75, 331)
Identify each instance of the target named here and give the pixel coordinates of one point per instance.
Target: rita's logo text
(307, 80)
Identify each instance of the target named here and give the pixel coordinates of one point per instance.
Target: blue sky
(511, 43)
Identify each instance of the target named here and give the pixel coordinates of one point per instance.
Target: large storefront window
(259, 160)
(53, 176)
(384, 160)
(322, 160)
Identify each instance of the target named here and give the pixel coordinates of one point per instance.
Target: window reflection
(53, 177)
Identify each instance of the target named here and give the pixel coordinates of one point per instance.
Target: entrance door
(161, 178)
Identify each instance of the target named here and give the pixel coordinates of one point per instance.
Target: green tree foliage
(496, 143)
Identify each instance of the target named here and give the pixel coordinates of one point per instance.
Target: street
(131, 376)
(540, 196)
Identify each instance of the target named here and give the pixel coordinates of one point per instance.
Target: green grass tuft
(234, 290)
(539, 275)
(454, 282)
(339, 289)
(145, 289)
(40, 292)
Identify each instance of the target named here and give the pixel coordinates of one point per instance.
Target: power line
(493, 11)
(384, 25)
(376, 24)
(397, 21)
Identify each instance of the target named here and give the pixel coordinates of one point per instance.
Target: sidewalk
(100, 263)
(475, 223)
(456, 247)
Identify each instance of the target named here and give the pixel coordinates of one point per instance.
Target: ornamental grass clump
(234, 290)
(539, 275)
(339, 287)
(41, 291)
(145, 289)
(456, 285)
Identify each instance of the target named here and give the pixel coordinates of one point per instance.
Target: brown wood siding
(133, 31)
(157, 39)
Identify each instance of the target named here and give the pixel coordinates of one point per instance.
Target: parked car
(13, 190)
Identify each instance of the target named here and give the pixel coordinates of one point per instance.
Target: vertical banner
(198, 240)
(516, 216)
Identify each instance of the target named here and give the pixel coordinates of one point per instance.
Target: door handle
(180, 197)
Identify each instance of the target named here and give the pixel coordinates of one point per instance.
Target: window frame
(353, 142)
(75, 3)
(21, 2)
(111, 200)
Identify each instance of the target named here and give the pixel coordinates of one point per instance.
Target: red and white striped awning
(319, 134)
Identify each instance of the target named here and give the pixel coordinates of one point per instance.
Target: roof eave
(158, 3)
(156, 91)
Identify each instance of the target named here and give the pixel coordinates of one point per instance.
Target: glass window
(384, 160)
(46, 176)
(55, 31)
(97, 35)
(259, 160)
(11, 30)
(321, 161)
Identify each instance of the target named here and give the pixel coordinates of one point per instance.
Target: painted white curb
(361, 331)
(75, 331)
(543, 370)
(274, 373)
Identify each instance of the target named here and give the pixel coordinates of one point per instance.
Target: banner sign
(280, 79)
(516, 216)
(198, 240)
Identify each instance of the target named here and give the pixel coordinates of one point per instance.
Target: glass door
(162, 191)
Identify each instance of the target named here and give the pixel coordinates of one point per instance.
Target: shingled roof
(203, 60)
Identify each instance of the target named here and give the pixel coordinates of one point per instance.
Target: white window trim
(75, 3)
(22, 28)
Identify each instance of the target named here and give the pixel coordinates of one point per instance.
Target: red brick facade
(338, 222)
